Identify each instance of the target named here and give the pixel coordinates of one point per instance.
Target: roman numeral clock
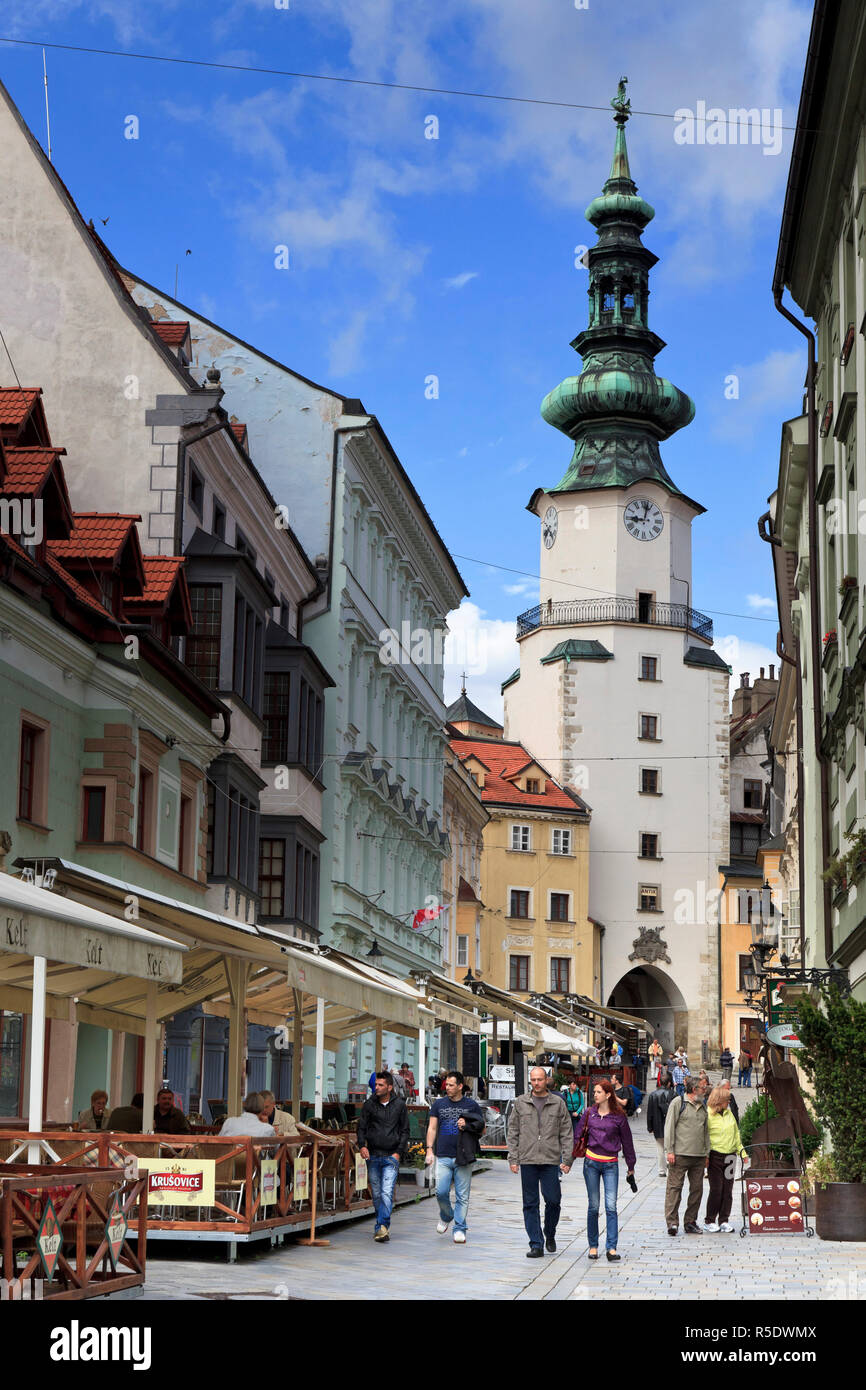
(643, 519)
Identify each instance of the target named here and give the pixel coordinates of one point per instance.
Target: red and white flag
(425, 914)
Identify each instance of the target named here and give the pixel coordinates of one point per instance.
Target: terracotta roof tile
(160, 573)
(26, 469)
(16, 405)
(506, 760)
(95, 536)
(173, 334)
(240, 433)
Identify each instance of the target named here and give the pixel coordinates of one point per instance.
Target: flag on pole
(425, 914)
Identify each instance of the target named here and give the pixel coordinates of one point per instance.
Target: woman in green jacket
(725, 1145)
(574, 1099)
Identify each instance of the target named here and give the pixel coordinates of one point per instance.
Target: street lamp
(470, 980)
(374, 953)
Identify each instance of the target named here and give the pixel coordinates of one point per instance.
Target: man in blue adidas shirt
(456, 1124)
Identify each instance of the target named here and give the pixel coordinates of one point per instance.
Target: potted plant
(834, 1038)
(415, 1156)
(855, 859)
(830, 637)
(836, 873)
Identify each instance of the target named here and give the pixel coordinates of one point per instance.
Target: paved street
(419, 1264)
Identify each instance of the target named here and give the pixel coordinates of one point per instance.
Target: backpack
(399, 1085)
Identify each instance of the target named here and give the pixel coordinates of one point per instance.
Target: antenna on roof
(47, 117)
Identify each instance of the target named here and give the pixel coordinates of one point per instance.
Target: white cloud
(744, 655)
(486, 649)
(458, 281)
(770, 388)
(758, 601)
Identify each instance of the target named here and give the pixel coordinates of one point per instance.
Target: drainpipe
(766, 534)
(814, 625)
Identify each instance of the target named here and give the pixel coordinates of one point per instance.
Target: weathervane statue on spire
(620, 103)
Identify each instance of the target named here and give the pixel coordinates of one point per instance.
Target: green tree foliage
(833, 1054)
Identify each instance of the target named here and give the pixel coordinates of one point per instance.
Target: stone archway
(651, 994)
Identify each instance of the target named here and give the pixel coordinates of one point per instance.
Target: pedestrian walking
(656, 1113)
(725, 1144)
(607, 1132)
(383, 1134)
(744, 1062)
(732, 1101)
(679, 1072)
(726, 1062)
(687, 1145)
(656, 1052)
(575, 1100)
(540, 1147)
(454, 1128)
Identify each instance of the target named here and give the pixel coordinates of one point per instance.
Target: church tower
(619, 690)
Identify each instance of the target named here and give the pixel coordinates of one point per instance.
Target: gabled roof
(505, 760)
(165, 590)
(239, 431)
(77, 590)
(463, 711)
(22, 416)
(27, 469)
(97, 536)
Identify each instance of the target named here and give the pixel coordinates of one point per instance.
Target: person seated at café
(167, 1118)
(95, 1117)
(281, 1120)
(408, 1080)
(128, 1119)
(253, 1121)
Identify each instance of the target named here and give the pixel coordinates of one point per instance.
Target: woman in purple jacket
(607, 1131)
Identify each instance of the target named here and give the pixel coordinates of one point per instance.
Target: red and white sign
(179, 1181)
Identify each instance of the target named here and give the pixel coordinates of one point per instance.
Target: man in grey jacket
(687, 1145)
(540, 1143)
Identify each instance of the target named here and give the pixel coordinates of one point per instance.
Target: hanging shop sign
(302, 1180)
(783, 1035)
(49, 1239)
(115, 1230)
(269, 1182)
(179, 1182)
(779, 1011)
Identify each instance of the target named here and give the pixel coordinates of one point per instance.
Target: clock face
(643, 519)
(549, 526)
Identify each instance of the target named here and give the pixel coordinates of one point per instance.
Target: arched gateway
(651, 994)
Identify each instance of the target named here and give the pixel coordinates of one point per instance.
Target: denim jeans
(680, 1088)
(382, 1171)
(448, 1171)
(547, 1175)
(593, 1175)
(747, 1077)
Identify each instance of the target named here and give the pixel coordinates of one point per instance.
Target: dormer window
(533, 786)
(107, 589)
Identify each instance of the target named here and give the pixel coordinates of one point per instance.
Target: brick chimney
(741, 703)
(765, 688)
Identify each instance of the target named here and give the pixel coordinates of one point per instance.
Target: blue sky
(454, 257)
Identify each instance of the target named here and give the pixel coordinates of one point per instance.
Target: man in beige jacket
(282, 1121)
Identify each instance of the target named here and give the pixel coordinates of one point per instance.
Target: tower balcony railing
(577, 612)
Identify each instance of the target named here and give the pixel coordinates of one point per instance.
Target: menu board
(774, 1205)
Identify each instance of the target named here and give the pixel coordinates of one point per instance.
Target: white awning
(339, 984)
(34, 922)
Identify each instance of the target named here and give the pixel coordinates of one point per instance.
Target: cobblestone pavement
(420, 1264)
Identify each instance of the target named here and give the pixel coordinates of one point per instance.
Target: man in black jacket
(455, 1126)
(656, 1114)
(383, 1134)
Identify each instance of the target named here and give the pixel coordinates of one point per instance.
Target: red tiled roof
(16, 405)
(747, 817)
(95, 536)
(26, 469)
(505, 760)
(173, 334)
(240, 433)
(11, 544)
(160, 573)
(78, 590)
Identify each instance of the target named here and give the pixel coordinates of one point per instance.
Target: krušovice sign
(179, 1182)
